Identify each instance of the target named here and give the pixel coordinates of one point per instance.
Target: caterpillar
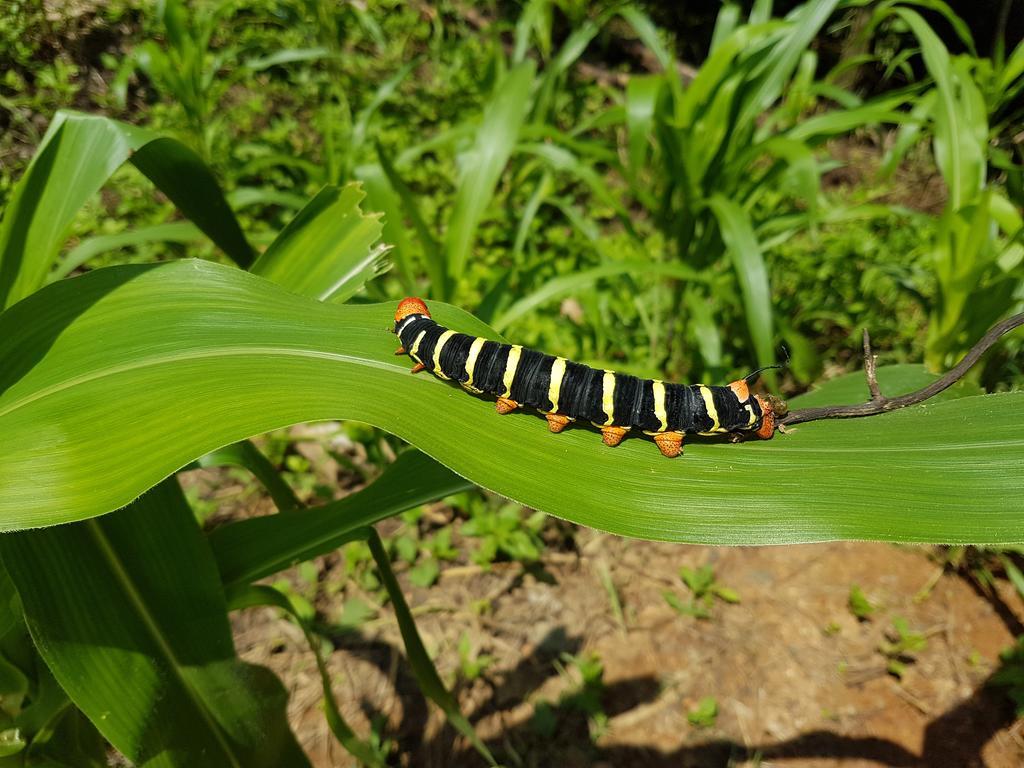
(565, 391)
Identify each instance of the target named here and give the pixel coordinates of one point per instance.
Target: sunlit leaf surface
(111, 381)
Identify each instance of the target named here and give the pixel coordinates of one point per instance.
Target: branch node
(871, 370)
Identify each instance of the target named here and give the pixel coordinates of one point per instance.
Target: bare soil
(798, 680)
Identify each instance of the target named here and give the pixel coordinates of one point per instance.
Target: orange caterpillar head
(410, 306)
(772, 409)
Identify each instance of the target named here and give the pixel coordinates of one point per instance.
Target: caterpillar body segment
(566, 391)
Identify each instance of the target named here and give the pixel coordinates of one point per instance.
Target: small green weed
(704, 714)
(704, 588)
(901, 646)
(859, 604)
(471, 663)
(503, 532)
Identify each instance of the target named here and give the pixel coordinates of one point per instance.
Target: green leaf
(641, 102)
(326, 251)
(751, 274)
(76, 157)
(859, 604)
(705, 713)
(961, 132)
(258, 547)
(482, 165)
(128, 614)
(115, 379)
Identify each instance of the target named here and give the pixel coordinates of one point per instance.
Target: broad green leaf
(326, 251)
(76, 157)
(251, 549)
(113, 380)
(128, 613)
(432, 253)
(381, 196)
(641, 102)
(481, 166)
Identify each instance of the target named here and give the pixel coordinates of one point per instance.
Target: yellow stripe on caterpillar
(442, 340)
(608, 397)
(659, 404)
(510, 368)
(414, 352)
(709, 404)
(555, 388)
(474, 352)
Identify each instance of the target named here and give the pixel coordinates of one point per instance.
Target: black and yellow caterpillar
(566, 391)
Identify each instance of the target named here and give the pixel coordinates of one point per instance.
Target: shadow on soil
(955, 738)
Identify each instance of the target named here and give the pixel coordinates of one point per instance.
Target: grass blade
(426, 674)
(751, 273)
(481, 168)
(247, 456)
(252, 595)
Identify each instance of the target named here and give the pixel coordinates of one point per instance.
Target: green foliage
(503, 531)
(472, 664)
(584, 677)
(859, 604)
(704, 589)
(1010, 674)
(900, 646)
(705, 713)
(667, 227)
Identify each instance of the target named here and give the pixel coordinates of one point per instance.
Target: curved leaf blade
(326, 251)
(82, 151)
(127, 373)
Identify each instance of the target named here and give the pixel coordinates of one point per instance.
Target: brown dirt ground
(789, 692)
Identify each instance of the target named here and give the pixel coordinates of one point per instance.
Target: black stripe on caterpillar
(566, 391)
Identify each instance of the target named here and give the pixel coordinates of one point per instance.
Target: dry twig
(879, 403)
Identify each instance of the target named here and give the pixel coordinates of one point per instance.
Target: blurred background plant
(561, 171)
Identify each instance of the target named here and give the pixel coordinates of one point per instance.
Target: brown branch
(881, 404)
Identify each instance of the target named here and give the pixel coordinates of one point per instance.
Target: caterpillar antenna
(750, 377)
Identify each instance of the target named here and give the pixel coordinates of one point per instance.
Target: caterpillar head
(410, 306)
(772, 409)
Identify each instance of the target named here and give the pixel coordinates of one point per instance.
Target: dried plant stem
(881, 404)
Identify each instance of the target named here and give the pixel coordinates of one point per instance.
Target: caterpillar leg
(557, 422)
(400, 351)
(612, 436)
(418, 367)
(504, 405)
(670, 443)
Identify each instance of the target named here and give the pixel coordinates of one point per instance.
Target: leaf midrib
(177, 357)
(153, 628)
